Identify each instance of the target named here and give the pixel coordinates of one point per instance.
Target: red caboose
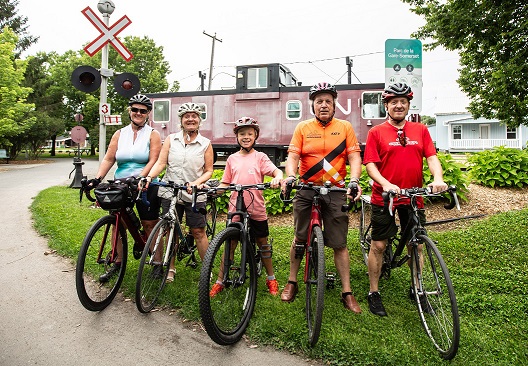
(271, 94)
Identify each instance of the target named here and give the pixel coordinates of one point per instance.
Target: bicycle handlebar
(388, 197)
(85, 188)
(320, 190)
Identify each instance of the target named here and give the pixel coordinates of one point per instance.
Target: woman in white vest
(188, 157)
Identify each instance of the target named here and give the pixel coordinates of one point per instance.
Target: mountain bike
(314, 268)
(432, 288)
(233, 257)
(169, 239)
(100, 269)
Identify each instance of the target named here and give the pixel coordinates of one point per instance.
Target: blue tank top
(132, 156)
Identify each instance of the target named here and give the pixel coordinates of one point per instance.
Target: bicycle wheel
(152, 272)
(226, 315)
(315, 262)
(364, 227)
(210, 218)
(435, 298)
(95, 259)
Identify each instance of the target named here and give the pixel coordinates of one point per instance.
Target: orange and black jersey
(324, 150)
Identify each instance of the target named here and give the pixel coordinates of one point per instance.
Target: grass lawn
(488, 263)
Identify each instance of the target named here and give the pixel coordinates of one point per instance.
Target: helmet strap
(324, 123)
(396, 121)
(139, 127)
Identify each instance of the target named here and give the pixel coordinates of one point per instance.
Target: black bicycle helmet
(397, 90)
(246, 122)
(323, 87)
(141, 99)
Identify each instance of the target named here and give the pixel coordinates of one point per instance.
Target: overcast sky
(311, 37)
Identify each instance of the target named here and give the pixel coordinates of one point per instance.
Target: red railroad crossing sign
(108, 35)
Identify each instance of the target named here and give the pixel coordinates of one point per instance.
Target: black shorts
(384, 224)
(150, 212)
(192, 219)
(258, 229)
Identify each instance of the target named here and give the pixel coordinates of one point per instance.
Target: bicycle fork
(315, 220)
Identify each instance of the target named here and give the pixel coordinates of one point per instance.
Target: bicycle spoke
(435, 298)
(315, 285)
(226, 315)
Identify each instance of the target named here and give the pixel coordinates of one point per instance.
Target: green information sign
(403, 64)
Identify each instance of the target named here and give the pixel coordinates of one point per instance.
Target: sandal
(170, 276)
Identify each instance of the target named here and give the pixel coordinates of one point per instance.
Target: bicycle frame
(315, 220)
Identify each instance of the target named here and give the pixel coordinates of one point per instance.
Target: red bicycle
(314, 267)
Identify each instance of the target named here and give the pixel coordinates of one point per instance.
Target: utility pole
(212, 57)
(349, 63)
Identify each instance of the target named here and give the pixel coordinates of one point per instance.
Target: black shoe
(157, 272)
(375, 304)
(105, 277)
(424, 303)
(137, 251)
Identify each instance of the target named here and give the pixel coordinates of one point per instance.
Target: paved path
(42, 321)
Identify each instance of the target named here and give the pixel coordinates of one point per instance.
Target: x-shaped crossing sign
(108, 35)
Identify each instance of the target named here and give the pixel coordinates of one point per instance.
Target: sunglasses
(140, 110)
(401, 138)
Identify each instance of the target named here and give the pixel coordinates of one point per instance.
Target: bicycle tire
(438, 308)
(315, 285)
(153, 271)
(226, 316)
(210, 218)
(364, 230)
(94, 294)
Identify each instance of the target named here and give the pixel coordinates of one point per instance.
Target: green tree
(17, 23)
(15, 116)
(491, 37)
(428, 120)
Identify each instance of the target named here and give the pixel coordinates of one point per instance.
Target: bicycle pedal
(330, 280)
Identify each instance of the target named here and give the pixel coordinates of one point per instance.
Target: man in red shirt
(393, 157)
(320, 148)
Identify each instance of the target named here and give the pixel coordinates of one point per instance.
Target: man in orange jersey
(319, 149)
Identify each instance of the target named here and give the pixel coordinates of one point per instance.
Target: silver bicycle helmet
(141, 99)
(189, 107)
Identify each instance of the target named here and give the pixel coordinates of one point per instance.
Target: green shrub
(453, 175)
(500, 167)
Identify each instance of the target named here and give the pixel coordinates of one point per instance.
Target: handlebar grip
(286, 197)
(454, 199)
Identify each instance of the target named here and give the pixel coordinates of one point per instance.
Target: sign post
(403, 64)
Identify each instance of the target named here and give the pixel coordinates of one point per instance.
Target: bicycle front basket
(114, 195)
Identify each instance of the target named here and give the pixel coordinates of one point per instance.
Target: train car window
(204, 111)
(161, 110)
(293, 109)
(257, 78)
(372, 105)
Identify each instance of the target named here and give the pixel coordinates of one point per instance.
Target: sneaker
(375, 305)
(105, 277)
(273, 287)
(426, 306)
(157, 272)
(216, 289)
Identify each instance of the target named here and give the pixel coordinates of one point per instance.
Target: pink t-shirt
(249, 169)
(400, 165)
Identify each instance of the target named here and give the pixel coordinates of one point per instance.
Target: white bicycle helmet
(189, 107)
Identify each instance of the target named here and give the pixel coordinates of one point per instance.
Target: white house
(457, 131)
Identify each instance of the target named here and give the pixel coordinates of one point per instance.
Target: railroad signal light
(126, 84)
(86, 79)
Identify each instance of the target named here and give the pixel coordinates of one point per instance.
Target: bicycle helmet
(397, 90)
(189, 107)
(246, 122)
(141, 99)
(323, 87)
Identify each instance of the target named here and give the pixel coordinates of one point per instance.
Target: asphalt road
(42, 321)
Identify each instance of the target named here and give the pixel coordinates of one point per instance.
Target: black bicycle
(168, 239)
(432, 288)
(233, 258)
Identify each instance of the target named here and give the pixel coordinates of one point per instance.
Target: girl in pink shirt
(249, 166)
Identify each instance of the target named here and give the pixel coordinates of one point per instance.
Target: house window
(511, 133)
(457, 132)
(293, 109)
(257, 78)
(372, 106)
(161, 110)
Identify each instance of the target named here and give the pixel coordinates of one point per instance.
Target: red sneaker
(216, 289)
(273, 287)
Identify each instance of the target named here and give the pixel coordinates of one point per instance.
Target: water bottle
(133, 217)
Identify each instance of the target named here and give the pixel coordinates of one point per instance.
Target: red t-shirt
(400, 165)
